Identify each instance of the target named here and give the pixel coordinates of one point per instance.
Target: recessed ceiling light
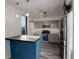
(17, 16)
(27, 14)
(41, 13)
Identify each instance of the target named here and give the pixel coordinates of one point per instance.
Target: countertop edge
(9, 38)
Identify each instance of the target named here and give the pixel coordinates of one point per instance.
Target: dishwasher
(53, 38)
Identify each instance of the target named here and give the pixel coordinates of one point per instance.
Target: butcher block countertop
(28, 38)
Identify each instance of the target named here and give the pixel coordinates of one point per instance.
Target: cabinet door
(23, 50)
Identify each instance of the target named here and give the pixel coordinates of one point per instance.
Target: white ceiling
(54, 8)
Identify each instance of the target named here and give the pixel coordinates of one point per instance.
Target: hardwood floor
(50, 51)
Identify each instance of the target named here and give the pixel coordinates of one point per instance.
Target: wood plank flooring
(50, 51)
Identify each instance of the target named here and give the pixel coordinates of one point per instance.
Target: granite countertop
(28, 38)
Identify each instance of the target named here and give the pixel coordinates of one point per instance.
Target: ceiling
(54, 8)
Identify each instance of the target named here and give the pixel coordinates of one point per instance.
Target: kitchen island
(25, 47)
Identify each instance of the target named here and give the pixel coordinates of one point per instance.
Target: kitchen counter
(28, 38)
(25, 47)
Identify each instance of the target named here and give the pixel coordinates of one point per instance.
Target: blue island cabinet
(25, 50)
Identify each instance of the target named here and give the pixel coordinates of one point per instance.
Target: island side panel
(23, 50)
(7, 49)
(38, 48)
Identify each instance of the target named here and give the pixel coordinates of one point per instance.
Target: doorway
(23, 25)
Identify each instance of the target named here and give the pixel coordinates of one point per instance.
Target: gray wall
(12, 23)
